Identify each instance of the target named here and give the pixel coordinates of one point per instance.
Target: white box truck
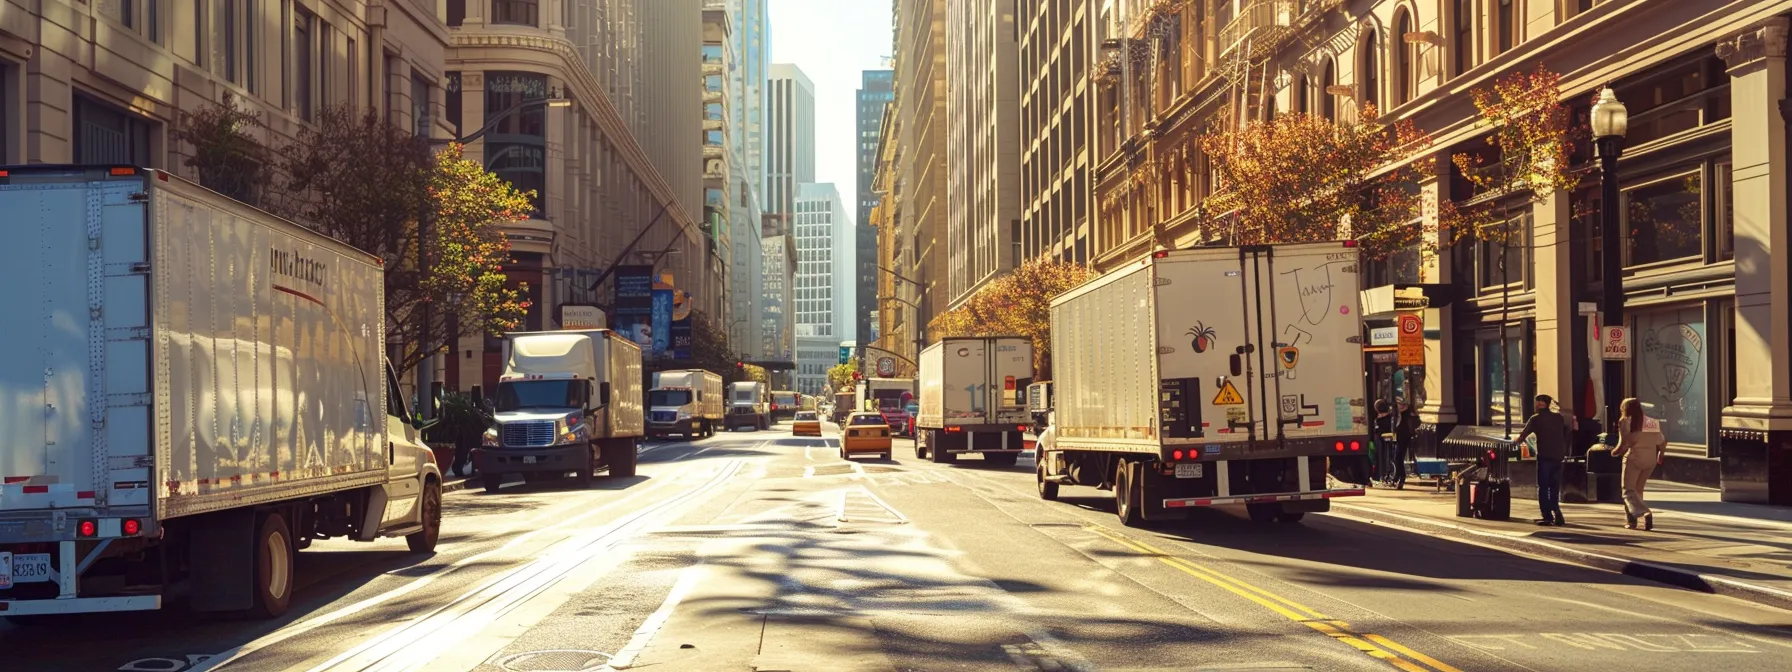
(194, 391)
(1211, 376)
(687, 401)
(784, 404)
(568, 401)
(973, 398)
(749, 405)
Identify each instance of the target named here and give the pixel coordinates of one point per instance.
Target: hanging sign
(1412, 339)
(1616, 344)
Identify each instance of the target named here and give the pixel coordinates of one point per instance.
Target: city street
(758, 550)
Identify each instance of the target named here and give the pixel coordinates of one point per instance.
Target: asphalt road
(758, 550)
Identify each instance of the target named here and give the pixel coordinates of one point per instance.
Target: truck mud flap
(1157, 486)
(1349, 468)
(221, 560)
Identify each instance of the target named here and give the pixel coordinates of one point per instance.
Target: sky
(833, 41)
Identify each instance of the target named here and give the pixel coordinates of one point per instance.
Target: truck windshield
(526, 394)
(890, 399)
(745, 396)
(668, 397)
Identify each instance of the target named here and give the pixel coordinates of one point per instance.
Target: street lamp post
(1610, 120)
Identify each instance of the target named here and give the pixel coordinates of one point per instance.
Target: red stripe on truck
(15, 479)
(36, 489)
(84, 494)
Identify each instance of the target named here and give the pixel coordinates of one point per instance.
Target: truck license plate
(528, 459)
(24, 568)
(1190, 470)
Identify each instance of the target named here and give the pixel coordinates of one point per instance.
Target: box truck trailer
(973, 398)
(194, 392)
(687, 401)
(749, 405)
(568, 401)
(1211, 376)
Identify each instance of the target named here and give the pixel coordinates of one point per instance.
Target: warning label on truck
(1228, 395)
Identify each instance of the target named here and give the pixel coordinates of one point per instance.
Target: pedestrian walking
(1384, 441)
(1406, 428)
(1552, 430)
(1643, 447)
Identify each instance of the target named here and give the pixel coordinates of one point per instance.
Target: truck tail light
(123, 172)
(1176, 455)
(88, 528)
(132, 527)
(1340, 446)
(1355, 446)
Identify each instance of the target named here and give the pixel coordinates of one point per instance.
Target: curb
(1648, 571)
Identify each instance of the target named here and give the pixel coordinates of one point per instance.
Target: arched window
(1302, 91)
(1463, 39)
(1328, 102)
(1404, 59)
(1371, 70)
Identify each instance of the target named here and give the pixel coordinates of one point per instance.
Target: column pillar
(1437, 410)
(1552, 280)
(470, 351)
(1756, 434)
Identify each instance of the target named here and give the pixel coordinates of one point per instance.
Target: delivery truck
(973, 398)
(195, 390)
(687, 401)
(784, 404)
(1039, 405)
(1211, 376)
(749, 405)
(569, 401)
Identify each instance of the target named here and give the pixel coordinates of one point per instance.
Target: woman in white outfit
(1642, 445)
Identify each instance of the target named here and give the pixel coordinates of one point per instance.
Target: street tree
(1305, 178)
(840, 376)
(225, 154)
(1016, 304)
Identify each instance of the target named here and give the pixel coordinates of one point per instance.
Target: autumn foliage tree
(1017, 304)
(840, 376)
(1527, 159)
(1305, 178)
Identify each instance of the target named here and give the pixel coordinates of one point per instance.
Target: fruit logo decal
(1204, 337)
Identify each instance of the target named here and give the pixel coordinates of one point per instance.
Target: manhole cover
(559, 660)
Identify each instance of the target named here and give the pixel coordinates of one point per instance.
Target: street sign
(1384, 336)
(845, 354)
(886, 367)
(1228, 396)
(1412, 339)
(1616, 342)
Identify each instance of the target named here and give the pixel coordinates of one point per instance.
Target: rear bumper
(553, 459)
(1319, 495)
(874, 444)
(80, 605)
(684, 426)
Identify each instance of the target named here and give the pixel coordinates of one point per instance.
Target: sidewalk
(1699, 542)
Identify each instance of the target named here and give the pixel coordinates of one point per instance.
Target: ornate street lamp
(1610, 121)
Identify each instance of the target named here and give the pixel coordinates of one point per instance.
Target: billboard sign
(580, 316)
(662, 322)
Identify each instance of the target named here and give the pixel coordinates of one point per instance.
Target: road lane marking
(414, 644)
(278, 636)
(657, 621)
(1289, 609)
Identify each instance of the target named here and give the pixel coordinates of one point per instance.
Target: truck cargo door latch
(140, 267)
(138, 197)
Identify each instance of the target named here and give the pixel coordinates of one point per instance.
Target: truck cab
(686, 402)
(563, 405)
(748, 406)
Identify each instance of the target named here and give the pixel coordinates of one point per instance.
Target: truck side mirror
(603, 394)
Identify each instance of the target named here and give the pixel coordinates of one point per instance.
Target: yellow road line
(1293, 611)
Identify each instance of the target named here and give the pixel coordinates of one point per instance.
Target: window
(109, 135)
(1328, 106)
(354, 73)
(712, 111)
(1664, 219)
(121, 11)
(516, 146)
(1507, 24)
(1404, 59)
(1725, 212)
(712, 83)
(1464, 38)
(457, 12)
(420, 104)
(1694, 94)
(1500, 253)
(199, 33)
(1302, 103)
(712, 53)
(1669, 373)
(249, 25)
(1371, 69)
(229, 18)
(325, 49)
(302, 63)
(7, 114)
(451, 104)
(522, 12)
(1505, 379)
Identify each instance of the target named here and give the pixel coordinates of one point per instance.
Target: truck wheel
(424, 540)
(1127, 485)
(1048, 490)
(491, 481)
(1291, 517)
(583, 473)
(936, 451)
(1001, 459)
(1263, 513)
(273, 567)
(620, 455)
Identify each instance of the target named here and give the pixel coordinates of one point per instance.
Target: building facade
(876, 89)
(777, 312)
(894, 336)
(1701, 181)
(721, 145)
(825, 296)
(598, 187)
(982, 146)
(790, 136)
(748, 35)
(1057, 111)
(920, 183)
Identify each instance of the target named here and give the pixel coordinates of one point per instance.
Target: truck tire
(1291, 517)
(491, 482)
(620, 455)
(273, 567)
(1128, 485)
(424, 540)
(1048, 490)
(1001, 459)
(583, 474)
(1264, 513)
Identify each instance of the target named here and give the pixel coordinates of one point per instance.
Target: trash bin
(1603, 471)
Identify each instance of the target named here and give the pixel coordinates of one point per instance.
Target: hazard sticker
(1228, 395)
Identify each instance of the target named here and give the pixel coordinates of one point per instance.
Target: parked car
(865, 433)
(806, 423)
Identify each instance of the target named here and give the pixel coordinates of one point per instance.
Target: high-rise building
(777, 304)
(826, 312)
(1057, 115)
(748, 37)
(752, 45)
(721, 146)
(920, 173)
(790, 136)
(982, 146)
(876, 89)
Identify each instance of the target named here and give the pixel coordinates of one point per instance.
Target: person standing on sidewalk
(1643, 446)
(1406, 428)
(1552, 430)
(1384, 441)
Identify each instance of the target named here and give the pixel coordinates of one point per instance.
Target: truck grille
(524, 434)
(663, 416)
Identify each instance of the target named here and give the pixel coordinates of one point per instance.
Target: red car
(899, 420)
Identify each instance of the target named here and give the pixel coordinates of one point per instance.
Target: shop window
(1664, 220)
(519, 12)
(1504, 388)
(108, 135)
(1671, 359)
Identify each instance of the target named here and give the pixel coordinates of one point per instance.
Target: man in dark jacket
(1552, 430)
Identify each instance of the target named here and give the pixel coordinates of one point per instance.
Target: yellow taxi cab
(807, 423)
(865, 433)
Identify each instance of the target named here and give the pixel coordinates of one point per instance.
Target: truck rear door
(964, 382)
(1011, 371)
(1308, 306)
(1204, 347)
